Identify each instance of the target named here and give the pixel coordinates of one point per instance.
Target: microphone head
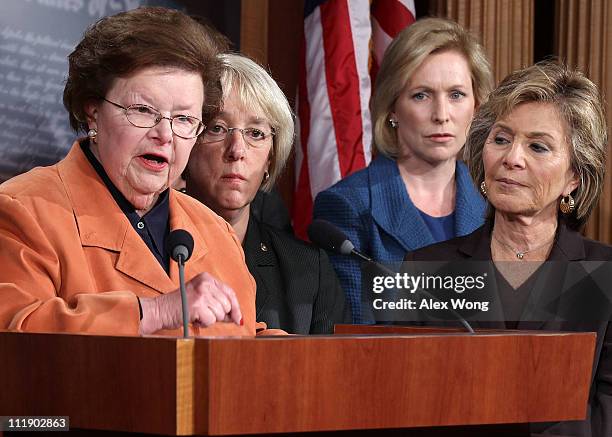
(179, 243)
(329, 237)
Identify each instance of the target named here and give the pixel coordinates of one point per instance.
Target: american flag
(343, 44)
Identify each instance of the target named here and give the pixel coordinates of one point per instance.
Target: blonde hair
(405, 54)
(580, 106)
(257, 90)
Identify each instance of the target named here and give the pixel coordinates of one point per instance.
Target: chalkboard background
(36, 37)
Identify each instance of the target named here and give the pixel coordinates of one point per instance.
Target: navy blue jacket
(373, 208)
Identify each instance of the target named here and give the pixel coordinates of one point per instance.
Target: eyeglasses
(184, 126)
(252, 136)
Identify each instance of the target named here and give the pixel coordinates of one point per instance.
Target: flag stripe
(333, 130)
(342, 84)
(318, 161)
(323, 160)
(302, 199)
(362, 33)
(380, 41)
(392, 15)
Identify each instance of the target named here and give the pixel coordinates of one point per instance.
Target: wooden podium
(223, 386)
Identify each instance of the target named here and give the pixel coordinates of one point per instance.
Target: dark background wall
(36, 37)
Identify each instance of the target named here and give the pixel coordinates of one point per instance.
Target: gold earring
(483, 189)
(567, 206)
(92, 135)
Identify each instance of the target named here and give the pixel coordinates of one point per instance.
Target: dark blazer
(269, 208)
(568, 246)
(373, 208)
(297, 288)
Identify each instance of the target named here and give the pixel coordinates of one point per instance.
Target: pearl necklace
(520, 254)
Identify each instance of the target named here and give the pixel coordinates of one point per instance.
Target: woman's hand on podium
(208, 301)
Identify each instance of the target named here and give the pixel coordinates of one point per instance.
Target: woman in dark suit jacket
(240, 152)
(537, 149)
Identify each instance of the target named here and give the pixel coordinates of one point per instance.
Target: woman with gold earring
(83, 242)
(537, 148)
(433, 77)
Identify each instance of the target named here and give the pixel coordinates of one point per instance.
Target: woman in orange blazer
(82, 243)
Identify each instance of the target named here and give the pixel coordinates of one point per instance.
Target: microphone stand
(181, 267)
(329, 237)
(366, 258)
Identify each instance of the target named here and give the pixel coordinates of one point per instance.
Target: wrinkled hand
(208, 301)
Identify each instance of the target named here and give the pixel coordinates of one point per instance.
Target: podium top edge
(326, 337)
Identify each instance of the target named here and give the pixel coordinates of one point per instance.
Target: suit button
(140, 225)
(264, 247)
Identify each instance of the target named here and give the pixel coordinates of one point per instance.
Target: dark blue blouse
(441, 228)
(153, 227)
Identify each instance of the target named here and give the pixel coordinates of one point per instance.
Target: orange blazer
(71, 262)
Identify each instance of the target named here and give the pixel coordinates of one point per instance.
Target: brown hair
(406, 53)
(580, 106)
(119, 45)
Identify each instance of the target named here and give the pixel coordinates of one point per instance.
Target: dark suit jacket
(297, 289)
(269, 208)
(569, 246)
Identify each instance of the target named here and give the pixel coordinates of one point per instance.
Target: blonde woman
(242, 151)
(433, 77)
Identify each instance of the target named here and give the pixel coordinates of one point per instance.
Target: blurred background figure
(244, 150)
(432, 78)
(83, 242)
(537, 148)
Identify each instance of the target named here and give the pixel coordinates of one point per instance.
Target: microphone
(179, 244)
(329, 237)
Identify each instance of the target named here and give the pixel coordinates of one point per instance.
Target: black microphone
(179, 244)
(329, 237)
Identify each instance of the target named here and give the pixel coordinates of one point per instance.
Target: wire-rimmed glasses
(145, 116)
(254, 137)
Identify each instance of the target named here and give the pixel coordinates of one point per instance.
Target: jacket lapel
(261, 262)
(545, 297)
(470, 207)
(181, 218)
(102, 224)
(392, 209)
(477, 247)
(569, 245)
(395, 213)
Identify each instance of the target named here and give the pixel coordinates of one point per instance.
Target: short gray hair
(258, 91)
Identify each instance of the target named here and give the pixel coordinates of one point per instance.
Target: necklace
(520, 254)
